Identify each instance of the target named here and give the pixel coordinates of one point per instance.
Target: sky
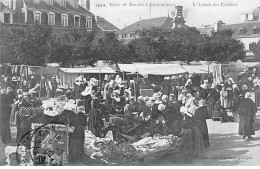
(122, 13)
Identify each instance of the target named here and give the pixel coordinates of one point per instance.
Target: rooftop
(56, 8)
(246, 27)
(162, 22)
(105, 25)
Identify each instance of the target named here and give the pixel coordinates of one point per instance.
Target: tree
(27, 45)
(76, 48)
(111, 49)
(150, 46)
(255, 47)
(221, 48)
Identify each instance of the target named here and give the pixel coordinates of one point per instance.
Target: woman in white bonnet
(200, 116)
(76, 119)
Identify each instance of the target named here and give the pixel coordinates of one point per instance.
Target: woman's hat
(116, 91)
(87, 91)
(78, 81)
(14, 79)
(131, 98)
(81, 109)
(50, 107)
(70, 105)
(19, 91)
(140, 98)
(146, 99)
(248, 95)
(32, 92)
(173, 77)
(25, 94)
(161, 107)
(164, 97)
(202, 103)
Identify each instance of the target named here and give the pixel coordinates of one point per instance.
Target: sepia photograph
(129, 83)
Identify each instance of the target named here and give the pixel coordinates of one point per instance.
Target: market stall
(198, 69)
(159, 69)
(68, 75)
(251, 64)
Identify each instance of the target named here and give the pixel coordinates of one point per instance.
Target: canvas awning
(88, 70)
(198, 69)
(159, 69)
(252, 64)
(237, 66)
(131, 68)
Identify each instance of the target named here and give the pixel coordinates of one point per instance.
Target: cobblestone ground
(227, 148)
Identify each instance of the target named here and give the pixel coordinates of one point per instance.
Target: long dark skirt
(24, 131)
(246, 126)
(211, 106)
(198, 143)
(202, 126)
(95, 122)
(5, 131)
(76, 144)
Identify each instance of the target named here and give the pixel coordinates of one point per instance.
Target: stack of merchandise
(53, 106)
(106, 150)
(152, 145)
(110, 152)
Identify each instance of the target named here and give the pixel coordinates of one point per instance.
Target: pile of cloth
(105, 149)
(157, 143)
(53, 106)
(108, 151)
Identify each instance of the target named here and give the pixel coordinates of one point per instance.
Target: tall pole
(123, 76)
(40, 85)
(100, 79)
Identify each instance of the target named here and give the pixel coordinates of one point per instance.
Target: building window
(242, 31)
(36, 1)
(77, 21)
(37, 16)
(89, 22)
(63, 2)
(51, 19)
(50, 2)
(64, 20)
(132, 36)
(256, 30)
(7, 18)
(124, 36)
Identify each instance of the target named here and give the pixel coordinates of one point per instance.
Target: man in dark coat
(247, 110)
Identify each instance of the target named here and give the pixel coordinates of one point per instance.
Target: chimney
(218, 25)
(244, 17)
(73, 3)
(85, 4)
(250, 17)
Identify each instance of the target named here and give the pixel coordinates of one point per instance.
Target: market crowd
(177, 103)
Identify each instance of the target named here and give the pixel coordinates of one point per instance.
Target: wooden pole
(40, 85)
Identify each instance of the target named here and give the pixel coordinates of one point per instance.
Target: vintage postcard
(129, 82)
